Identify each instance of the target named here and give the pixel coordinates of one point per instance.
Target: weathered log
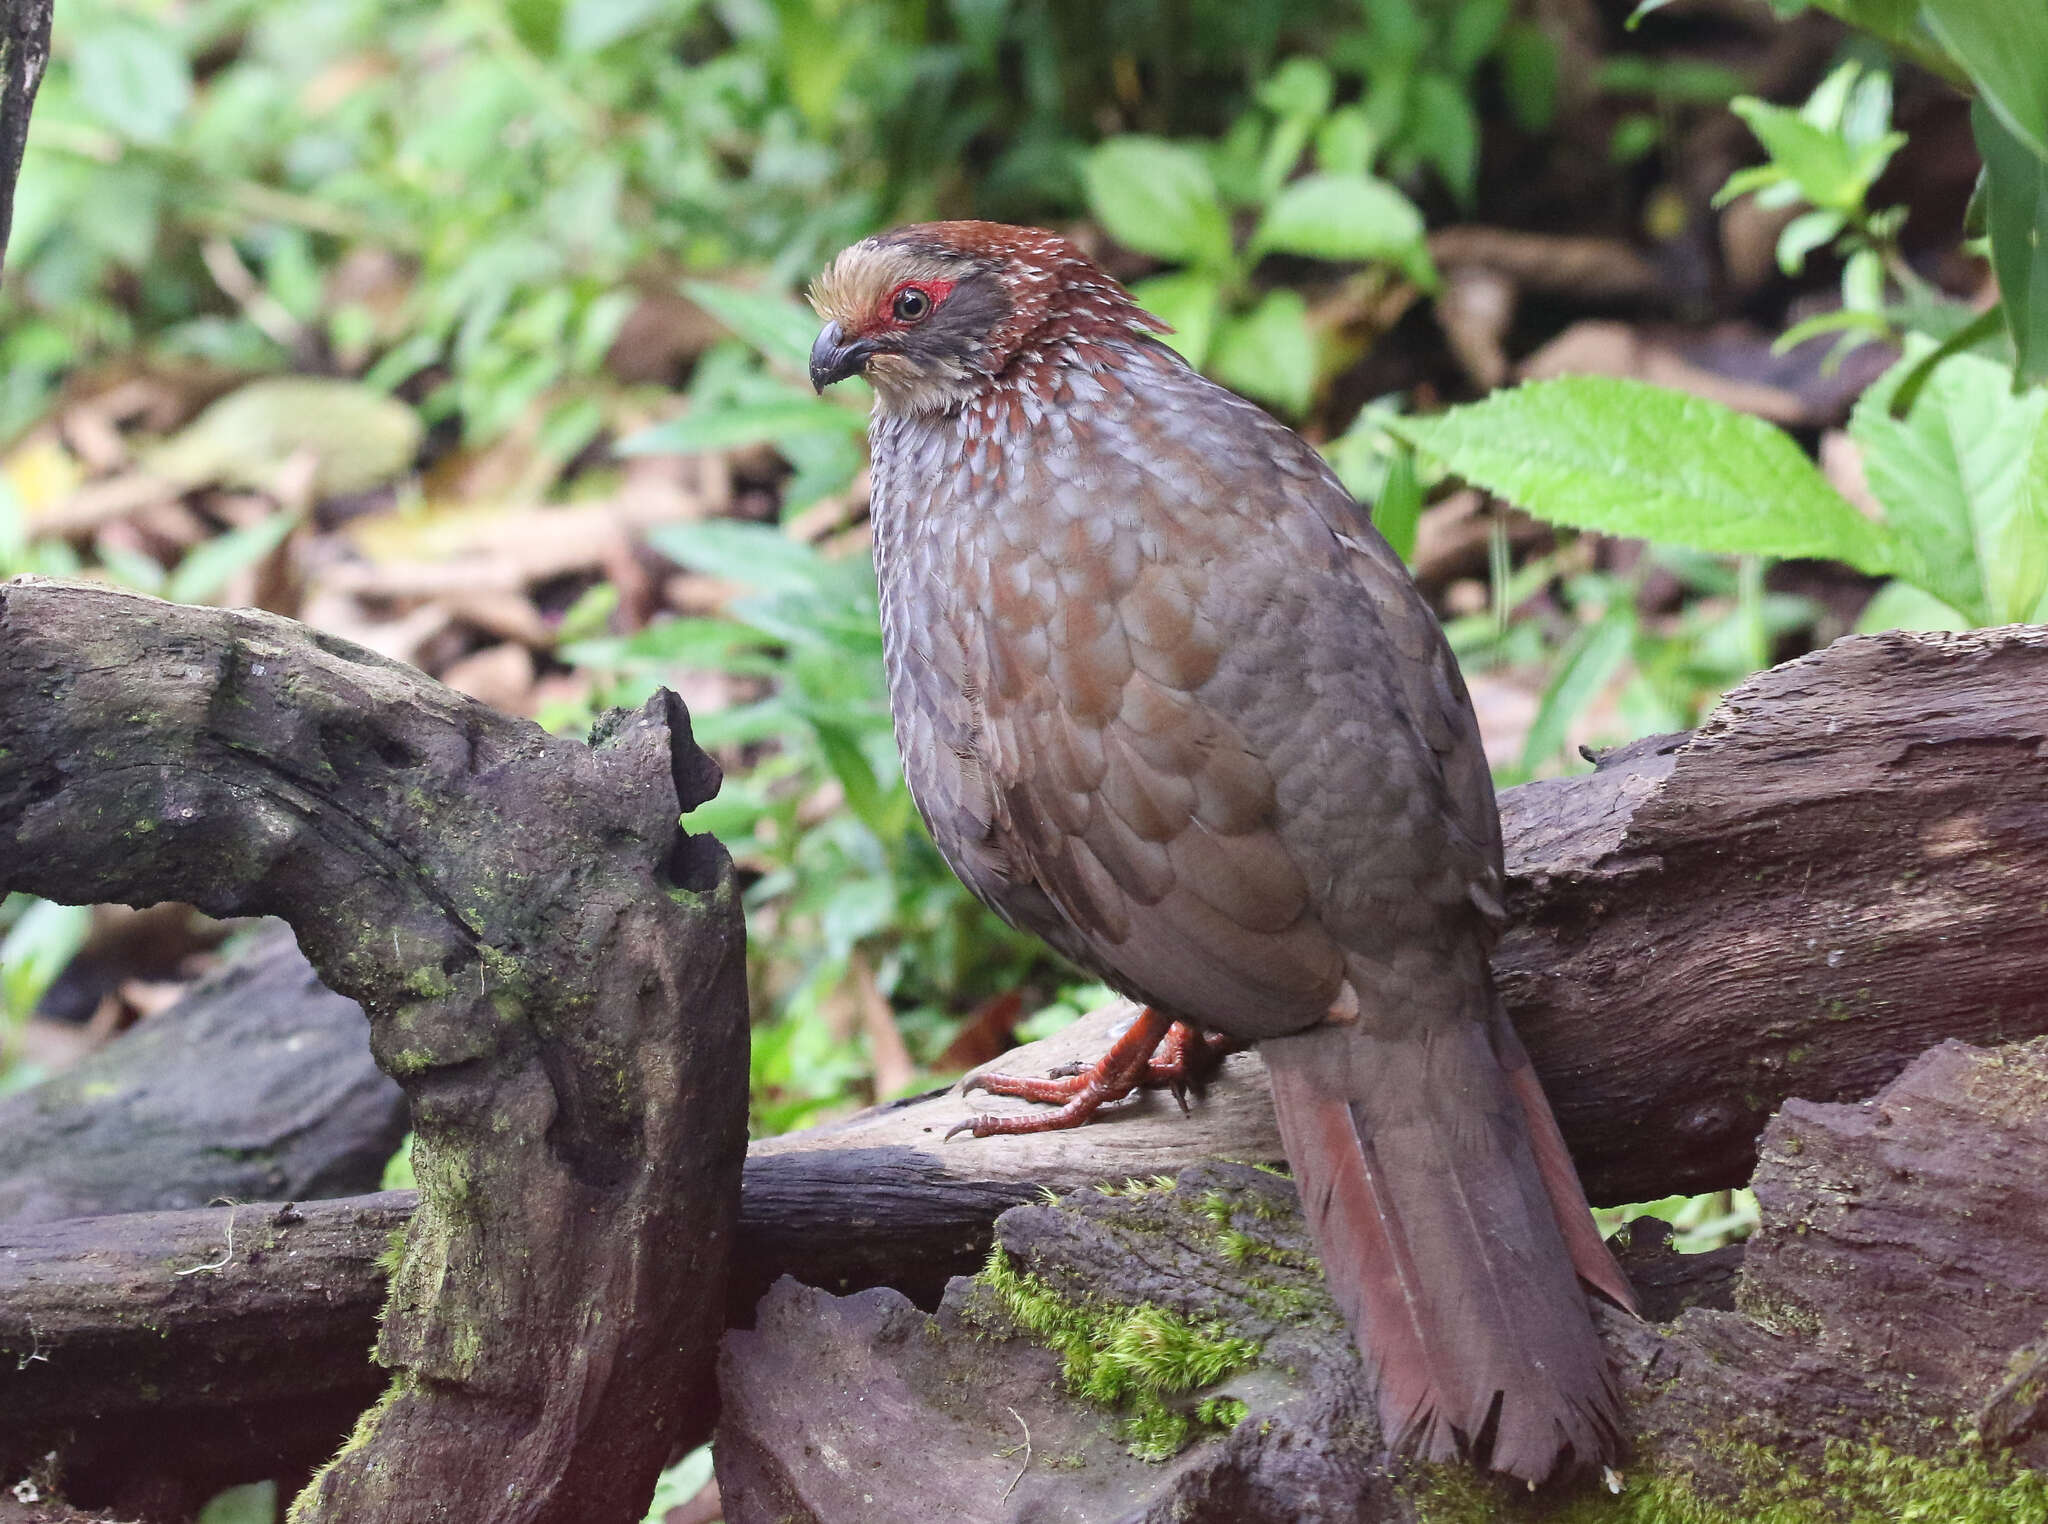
(257, 1085)
(1832, 875)
(1877, 748)
(550, 966)
(1886, 1317)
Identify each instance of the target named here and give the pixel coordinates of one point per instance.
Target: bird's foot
(1156, 1053)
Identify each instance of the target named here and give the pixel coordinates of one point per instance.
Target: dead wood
(1835, 874)
(257, 1085)
(550, 967)
(1874, 1361)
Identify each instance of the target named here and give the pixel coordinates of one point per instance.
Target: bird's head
(932, 314)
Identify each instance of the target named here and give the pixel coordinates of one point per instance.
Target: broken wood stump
(551, 968)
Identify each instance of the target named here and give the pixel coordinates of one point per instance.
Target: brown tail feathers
(1454, 1234)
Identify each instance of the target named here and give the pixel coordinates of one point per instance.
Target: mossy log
(1165, 1354)
(551, 968)
(1836, 873)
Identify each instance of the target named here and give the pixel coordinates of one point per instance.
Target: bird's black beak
(833, 359)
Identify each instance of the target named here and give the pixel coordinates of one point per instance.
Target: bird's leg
(1186, 1057)
(1112, 1077)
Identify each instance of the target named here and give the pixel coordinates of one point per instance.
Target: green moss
(306, 1507)
(1855, 1484)
(394, 1253)
(1128, 1357)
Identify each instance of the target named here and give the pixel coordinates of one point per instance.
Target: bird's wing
(1210, 745)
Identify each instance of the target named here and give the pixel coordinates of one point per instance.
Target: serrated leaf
(2015, 215)
(1340, 216)
(1158, 198)
(1627, 458)
(1956, 478)
(1269, 353)
(743, 423)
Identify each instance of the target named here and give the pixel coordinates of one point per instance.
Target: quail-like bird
(1166, 699)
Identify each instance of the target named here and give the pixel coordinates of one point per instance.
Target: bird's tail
(1454, 1234)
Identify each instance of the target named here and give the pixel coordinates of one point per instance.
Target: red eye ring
(910, 302)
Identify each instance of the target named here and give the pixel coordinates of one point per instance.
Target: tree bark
(551, 968)
(1881, 1358)
(258, 1085)
(1836, 873)
(24, 53)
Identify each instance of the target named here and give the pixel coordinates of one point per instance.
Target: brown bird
(1166, 699)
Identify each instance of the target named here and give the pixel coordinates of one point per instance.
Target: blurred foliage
(37, 939)
(229, 179)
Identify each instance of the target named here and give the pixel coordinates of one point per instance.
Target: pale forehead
(853, 286)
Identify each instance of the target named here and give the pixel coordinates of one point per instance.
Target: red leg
(1128, 1065)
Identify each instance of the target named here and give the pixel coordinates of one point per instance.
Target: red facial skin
(885, 319)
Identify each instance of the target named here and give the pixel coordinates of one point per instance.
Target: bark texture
(258, 1085)
(1882, 1358)
(550, 967)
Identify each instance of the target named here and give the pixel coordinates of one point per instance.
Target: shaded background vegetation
(471, 331)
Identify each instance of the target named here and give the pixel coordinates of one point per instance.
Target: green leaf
(360, 437)
(1345, 143)
(1398, 512)
(1300, 87)
(1188, 299)
(1899, 605)
(1269, 353)
(743, 423)
(1802, 235)
(588, 25)
(1444, 130)
(2016, 215)
(753, 555)
(1158, 198)
(1334, 216)
(44, 938)
(1627, 458)
(211, 565)
(1827, 169)
(778, 327)
(2004, 45)
(1961, 482)
(132, 76)
(1588, 664)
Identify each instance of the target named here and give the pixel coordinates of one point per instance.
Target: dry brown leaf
(1599, 348)
(500, 675)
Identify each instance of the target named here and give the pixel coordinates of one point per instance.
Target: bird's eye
(911, 305)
